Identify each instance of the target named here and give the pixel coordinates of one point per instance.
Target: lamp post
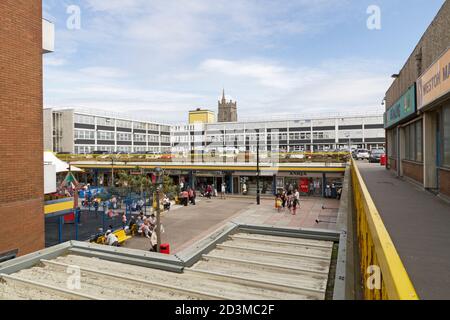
(112, 171)
(258, 196)
(158, 209)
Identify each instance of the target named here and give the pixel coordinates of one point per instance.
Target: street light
(258, 196)
(158, 171)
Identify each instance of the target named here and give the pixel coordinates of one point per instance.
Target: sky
(159, 59)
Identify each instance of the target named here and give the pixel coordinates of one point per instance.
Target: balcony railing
(377, 250)
(265, 158)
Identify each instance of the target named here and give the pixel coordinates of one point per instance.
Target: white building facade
(314, 134)
(84, 131)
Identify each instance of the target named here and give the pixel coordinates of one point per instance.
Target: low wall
(444, 181)
(413, 170)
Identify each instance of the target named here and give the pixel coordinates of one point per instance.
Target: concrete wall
(433, 43)
(67, 142)
(21, 138)
(48, 130)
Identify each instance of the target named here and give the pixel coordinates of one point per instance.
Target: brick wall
(21, 142)
(444, 182)
(433, 43)
(413, 170)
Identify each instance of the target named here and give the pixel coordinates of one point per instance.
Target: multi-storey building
(24, 36)
(312, 134)
(84, 131)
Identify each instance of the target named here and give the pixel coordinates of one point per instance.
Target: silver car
(362, 154)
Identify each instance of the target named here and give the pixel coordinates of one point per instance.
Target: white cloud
(53, 61)
(103, 72)
(166, 57)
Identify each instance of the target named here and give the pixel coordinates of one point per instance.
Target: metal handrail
(377, 248)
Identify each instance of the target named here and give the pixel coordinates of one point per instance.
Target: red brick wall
(413, 171)
(444, 182)
(21, 141)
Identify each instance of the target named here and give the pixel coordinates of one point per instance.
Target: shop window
(413, 142)
(446, 136)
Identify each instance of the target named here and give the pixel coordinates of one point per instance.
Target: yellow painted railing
(53, 207)
(377, 251)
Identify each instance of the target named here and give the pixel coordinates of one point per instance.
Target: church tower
(227, 110)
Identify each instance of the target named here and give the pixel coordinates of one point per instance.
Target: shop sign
(435, 82)
(403, 108)
(298, 173)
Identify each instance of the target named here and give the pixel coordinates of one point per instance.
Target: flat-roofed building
(84, 131)
(201, 116)
(319, 133)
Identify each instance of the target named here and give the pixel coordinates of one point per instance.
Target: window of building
(140, 126)
(392, 143)
(166, 139)
(282, 136)
(155, 138)
(294, 136)
(140, 149)
(105, 122)
(139, 137)
(80, 118)
(446, 136)
(413, 141)
(105, 148)
(84, 149)
(124, 149)
(121, 136)
(154, 127)
(105, 135)
(124, 124)
(84, 135)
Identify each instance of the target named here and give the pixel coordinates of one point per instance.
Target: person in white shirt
(154, 242)
(152, 219)
(297, 195)
(223, 190)
(111, 239)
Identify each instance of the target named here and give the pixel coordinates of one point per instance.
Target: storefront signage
(435, 82)
(298, 173)
(403, 108)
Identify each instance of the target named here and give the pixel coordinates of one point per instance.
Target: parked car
(362, 154)
(375, 155)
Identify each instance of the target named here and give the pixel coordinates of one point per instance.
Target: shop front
(309, 183)
(400, 136)
(433, 100)
(247, 183)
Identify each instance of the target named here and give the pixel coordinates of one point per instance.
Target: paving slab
(419, 225)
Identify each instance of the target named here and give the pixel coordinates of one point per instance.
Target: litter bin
(383, 160)
(165, 248)
(69, 218)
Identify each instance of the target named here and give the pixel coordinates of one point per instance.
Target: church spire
(223, 95)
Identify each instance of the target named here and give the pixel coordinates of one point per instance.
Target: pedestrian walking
(295, 204)
(278, 203)
(223, 190)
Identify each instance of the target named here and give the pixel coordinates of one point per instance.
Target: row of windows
(121, 136)
(84, 119)
(125, 149)
(84, 135)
